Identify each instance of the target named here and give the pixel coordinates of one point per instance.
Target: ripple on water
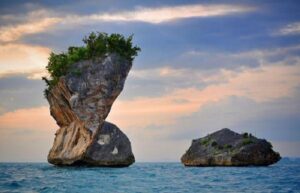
(150, 177)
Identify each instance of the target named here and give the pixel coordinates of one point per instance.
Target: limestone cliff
(80, 103)
(227, 148)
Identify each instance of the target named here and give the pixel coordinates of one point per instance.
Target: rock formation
(80, 103)
(227, 148)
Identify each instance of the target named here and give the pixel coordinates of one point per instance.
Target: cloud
(259, 54)
(177, 76)
(274, 120)
(166, 14)
(22, 58)
(263, 84)
(18, 91)
(26, 134)
(204, 60)
(42, 20)
(290, 29)
(37, 119)
(14, 32)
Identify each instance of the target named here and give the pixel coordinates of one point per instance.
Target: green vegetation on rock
(245, 135)
(247, 141)
(247, 138)
(205, 141)
(96, 45)
(227, 146)
(220, 147)
(214, 143)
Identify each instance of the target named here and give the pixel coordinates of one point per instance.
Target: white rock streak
(115, 151)
(104, 139)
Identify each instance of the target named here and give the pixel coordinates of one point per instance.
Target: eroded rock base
(111, 147)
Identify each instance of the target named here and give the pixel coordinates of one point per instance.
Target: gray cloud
(289, 29)
(235, 60)
(277, 120)
(20, 92)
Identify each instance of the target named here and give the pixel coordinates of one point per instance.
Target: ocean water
(150, 177)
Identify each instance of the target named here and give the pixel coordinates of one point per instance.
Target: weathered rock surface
(80, 103)
(227, 148)
(112, 148)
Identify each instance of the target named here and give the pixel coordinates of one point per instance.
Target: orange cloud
(14, 32)
(38, 119)
(47, 20)
(22, 58)
(26, 134)
(266, 83)
(165, 14)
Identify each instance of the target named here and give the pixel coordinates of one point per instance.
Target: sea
(283, 176)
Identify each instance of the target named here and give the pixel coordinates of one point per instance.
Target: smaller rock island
(228, 148)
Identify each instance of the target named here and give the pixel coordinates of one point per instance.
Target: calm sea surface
(150, 177)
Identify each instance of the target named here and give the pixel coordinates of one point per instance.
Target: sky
(204, 66)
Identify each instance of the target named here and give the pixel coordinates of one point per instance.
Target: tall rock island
(80, 100)
(227, 148)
